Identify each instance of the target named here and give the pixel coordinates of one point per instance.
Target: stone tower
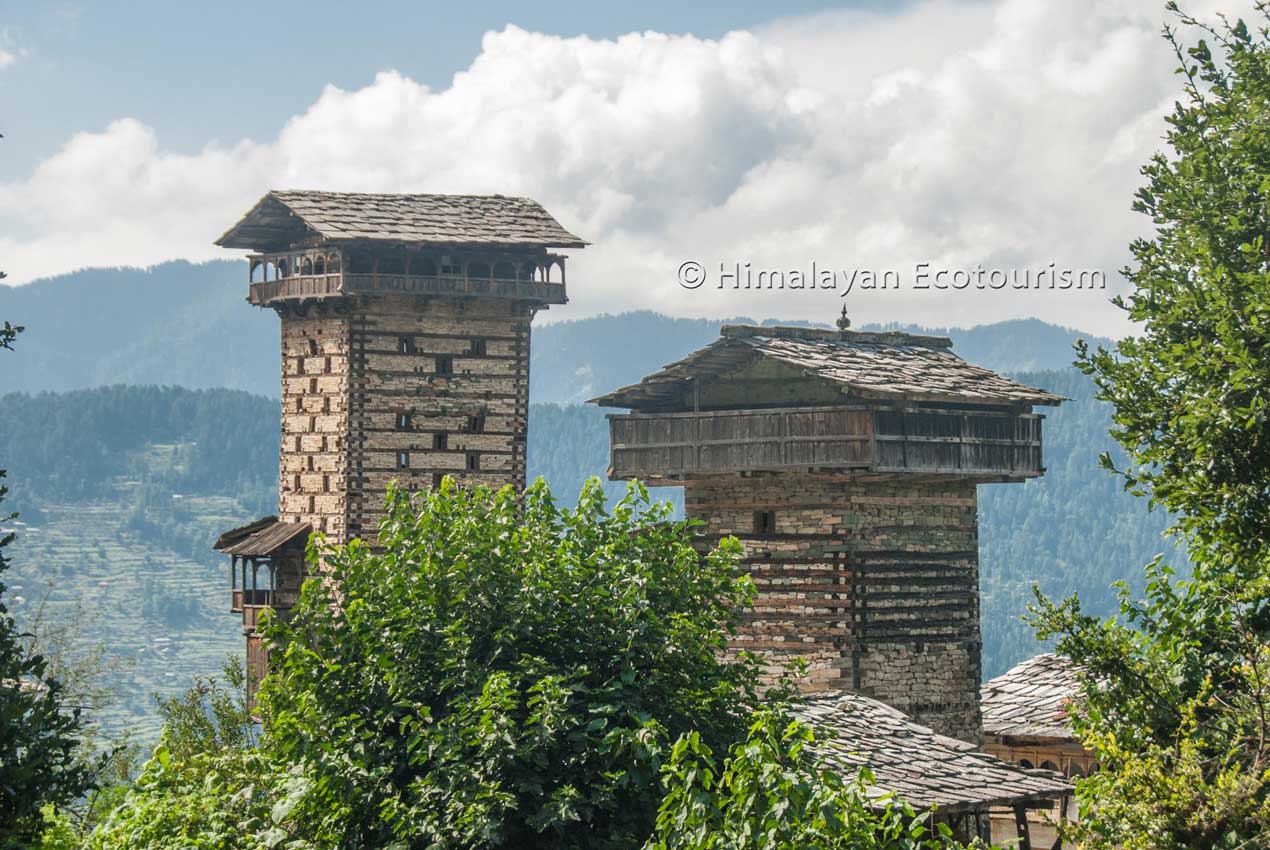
(847, 464)
(405, 325)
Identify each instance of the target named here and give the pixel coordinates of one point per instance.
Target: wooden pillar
(1062, 819)
(983, 822)
(1022, 828)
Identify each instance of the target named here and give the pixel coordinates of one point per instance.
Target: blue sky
(1002, 134)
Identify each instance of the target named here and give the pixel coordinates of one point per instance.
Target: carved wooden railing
(673, 446)
(297, 287)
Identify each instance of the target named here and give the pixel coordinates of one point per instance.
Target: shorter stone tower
(405, 356)
(847, 464)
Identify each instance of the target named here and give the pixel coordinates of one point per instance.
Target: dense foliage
(206, 786)
(505, 673)
(1175, 702)
(769, 795)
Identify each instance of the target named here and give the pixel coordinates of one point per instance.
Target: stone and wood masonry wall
(874, 581)
(399, 388)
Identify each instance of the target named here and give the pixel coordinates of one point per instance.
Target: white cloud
(7, 58)
(1005, 133)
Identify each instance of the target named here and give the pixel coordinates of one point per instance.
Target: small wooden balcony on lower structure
(991, 445)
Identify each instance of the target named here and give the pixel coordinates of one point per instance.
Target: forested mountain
(189, 325)
(124, 488)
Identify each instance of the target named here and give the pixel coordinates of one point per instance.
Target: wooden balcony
(673, 446)
(240, 599)
(298, 287)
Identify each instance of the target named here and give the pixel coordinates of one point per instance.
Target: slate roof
(1030, 699)
(889, 365)
(261, 538)
(916, 764)
(282, 217)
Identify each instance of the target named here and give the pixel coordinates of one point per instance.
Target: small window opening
(476, 424)
(326, 483)
(440, 441)
(403, 460)
(478, 347)
(313, 347)
(436, 480)
(765, 522)
(473, 461)
(405, 345)
(295, 484)
(403, 421)
(313, 385)
(445, 366)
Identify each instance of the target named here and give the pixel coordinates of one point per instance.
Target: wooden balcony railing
(674, 446)
(299, 287)
(240, 598)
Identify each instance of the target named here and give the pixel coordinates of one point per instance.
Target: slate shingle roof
(914, 763)
(1030, 699)
(283, 216)
(889, 365)
(261, 538)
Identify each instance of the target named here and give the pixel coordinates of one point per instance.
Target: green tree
(206, 785)
(1174, 692)
(770, 795)
(504, 673)
(40, 733)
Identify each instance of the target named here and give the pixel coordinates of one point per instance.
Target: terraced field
(161, 617)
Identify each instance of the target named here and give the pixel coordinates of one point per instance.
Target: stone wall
(874, 581)
(439, 387)
(313, 472)
(398, 388)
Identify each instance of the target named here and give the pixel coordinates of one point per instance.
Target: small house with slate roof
(1025, 717)
(847, 464)
(910, 762)
(404, 323)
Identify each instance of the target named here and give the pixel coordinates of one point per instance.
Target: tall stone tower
(847, 464)
(405, 326)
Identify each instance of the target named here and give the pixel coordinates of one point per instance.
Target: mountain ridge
(185, 324)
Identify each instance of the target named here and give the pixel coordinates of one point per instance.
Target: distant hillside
(178, 323)
(189, 325)
(123, 490)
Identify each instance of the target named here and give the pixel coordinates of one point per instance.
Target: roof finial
(843, 321)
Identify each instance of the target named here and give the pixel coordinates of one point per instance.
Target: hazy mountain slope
(189, 325)
(177, 323)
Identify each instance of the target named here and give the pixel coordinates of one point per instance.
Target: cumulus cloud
(1004, 133)
(7, 58)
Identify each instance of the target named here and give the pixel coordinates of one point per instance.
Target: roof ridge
(828, 335)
